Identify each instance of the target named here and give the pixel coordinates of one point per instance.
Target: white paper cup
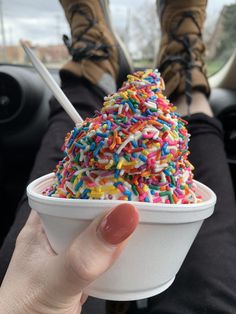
(154, 253)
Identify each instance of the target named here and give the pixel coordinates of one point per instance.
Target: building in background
(52, 55)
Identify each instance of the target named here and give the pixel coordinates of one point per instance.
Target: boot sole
(124, 59)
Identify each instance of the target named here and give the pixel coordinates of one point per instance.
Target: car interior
(24, 114)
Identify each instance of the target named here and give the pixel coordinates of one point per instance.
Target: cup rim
(149, 206)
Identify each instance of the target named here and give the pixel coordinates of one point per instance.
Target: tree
(228, 41)
(145, 31)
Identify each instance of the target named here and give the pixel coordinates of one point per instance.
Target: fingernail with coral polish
(119, 224)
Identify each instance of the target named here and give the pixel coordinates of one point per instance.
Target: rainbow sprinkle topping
(135, 149)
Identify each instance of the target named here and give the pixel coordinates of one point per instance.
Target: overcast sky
(43, 21)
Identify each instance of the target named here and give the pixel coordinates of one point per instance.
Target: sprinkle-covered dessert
(135, 149)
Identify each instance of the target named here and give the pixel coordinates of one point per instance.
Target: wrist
(9, 305)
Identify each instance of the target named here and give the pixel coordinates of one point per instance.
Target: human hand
(40, 281)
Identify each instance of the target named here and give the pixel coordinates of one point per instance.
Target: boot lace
(186, 60)
(90, 50)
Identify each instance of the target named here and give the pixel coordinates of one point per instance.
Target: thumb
(94, 250)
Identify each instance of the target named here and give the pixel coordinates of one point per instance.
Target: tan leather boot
(97, 53)
(180, 58)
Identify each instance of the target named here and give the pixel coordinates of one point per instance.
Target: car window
(43, 23)
(220, 35)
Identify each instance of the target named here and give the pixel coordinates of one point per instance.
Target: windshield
(43, 24)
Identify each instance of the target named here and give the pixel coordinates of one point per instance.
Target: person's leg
(98, 63)
(180, 58)
(86, 98)
(206, 282)
(97, 52)
(182, 67)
